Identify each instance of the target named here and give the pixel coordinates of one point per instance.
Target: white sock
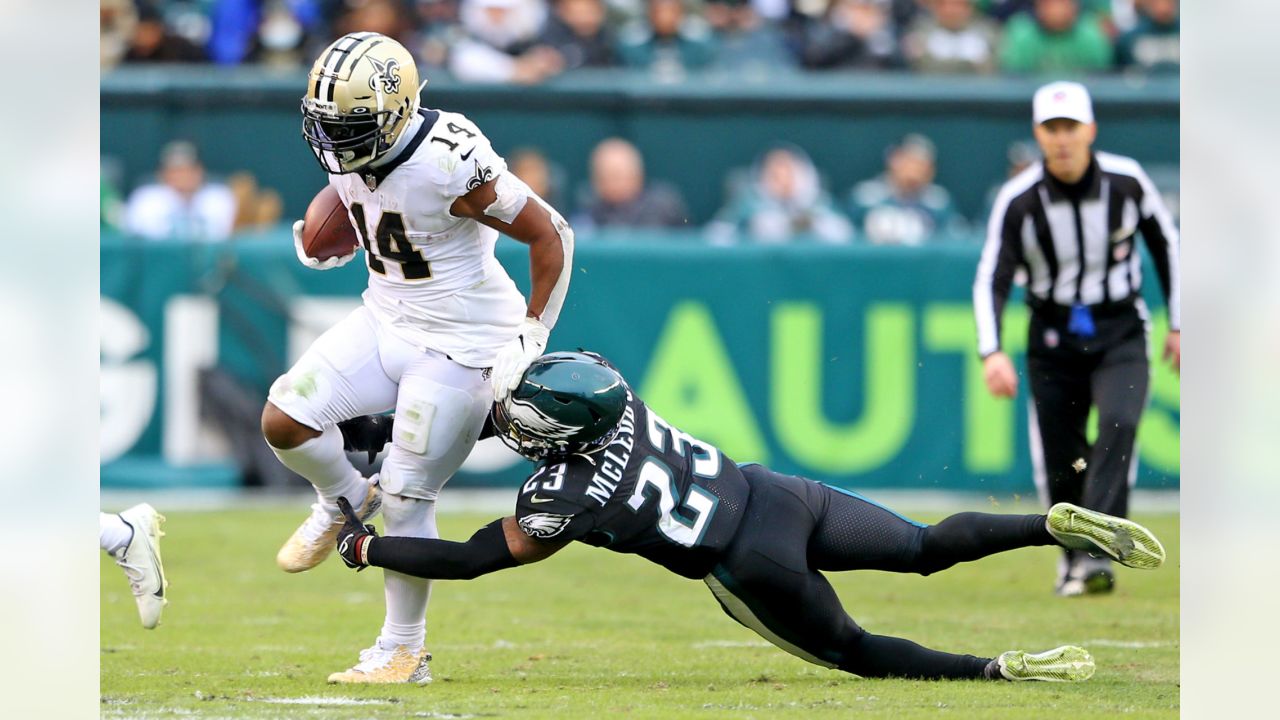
(407, 596)
(322, 461)
(114, 533)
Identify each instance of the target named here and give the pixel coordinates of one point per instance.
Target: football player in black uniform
(614, 474)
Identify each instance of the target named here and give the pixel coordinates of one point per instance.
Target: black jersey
(654, 491)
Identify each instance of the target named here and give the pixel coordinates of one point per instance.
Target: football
(326, 230)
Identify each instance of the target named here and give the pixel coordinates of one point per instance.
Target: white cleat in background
(142, 564)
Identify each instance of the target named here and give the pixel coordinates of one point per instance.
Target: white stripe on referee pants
(1038, 472)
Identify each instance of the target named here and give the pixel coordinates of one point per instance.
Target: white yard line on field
(1130, 644)
(319, 700)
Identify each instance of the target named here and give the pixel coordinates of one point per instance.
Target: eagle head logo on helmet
(362, 93)
(526, 416)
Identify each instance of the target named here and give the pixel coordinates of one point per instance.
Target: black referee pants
(769, 578)
(1068, 376)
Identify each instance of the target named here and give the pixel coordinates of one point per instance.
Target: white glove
(516, 356)
(314, 264)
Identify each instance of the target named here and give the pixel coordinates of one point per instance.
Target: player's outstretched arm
(499, 545)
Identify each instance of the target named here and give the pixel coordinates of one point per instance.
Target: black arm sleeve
(367, 433)
(489, 429)
(1158, 244)
(1007, 264)
(1161, 236)
(1001, 258)
(484, 553)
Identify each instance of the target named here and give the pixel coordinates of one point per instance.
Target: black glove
(354, 538)
(367, 433)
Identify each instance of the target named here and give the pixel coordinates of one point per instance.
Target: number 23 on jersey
(681, 520)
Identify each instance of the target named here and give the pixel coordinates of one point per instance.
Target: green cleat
(1097, 533)
(1065, 664)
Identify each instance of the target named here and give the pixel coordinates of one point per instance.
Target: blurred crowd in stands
(180, 202)
(781, 198)
(528, 41)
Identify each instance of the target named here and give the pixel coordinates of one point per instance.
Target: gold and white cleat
(314, 539)
(141, 562)
(381, 666)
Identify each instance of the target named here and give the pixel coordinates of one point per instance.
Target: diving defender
(612, 473)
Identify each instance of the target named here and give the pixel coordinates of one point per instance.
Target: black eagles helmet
(567, 402)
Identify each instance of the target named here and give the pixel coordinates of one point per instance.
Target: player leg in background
(854, 533)
(1057, 414)
(1120, 394)
(440, 411)
(339, 377)
(768, 581)
(133, 539)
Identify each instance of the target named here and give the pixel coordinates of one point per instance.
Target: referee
(1069, 226)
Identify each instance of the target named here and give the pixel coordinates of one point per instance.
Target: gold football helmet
(361, 92)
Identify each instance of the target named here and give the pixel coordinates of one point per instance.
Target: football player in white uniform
(442, 331)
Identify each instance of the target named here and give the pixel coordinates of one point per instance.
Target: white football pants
(358, 367)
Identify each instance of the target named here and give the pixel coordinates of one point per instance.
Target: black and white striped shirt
(1076, 244)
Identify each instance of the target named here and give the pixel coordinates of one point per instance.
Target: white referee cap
(1062, 100)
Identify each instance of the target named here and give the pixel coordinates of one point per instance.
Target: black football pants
(1068, 375)
(769, 577)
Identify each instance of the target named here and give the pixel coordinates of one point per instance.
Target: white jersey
(433, 278)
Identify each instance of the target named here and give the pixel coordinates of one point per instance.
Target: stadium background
(850, 363)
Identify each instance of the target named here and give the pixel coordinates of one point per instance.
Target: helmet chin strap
(417, 98)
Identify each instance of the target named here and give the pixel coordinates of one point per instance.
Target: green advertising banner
(852, 365)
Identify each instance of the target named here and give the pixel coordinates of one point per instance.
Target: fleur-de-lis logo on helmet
(388, 73)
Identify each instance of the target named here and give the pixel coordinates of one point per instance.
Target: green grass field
(590, 633)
